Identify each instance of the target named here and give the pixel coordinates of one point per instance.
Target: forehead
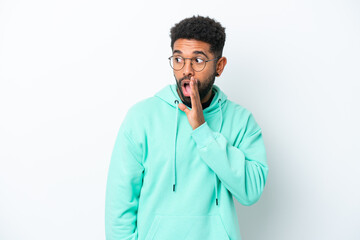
(191, 46)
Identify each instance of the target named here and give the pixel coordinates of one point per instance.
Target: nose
(187, 69)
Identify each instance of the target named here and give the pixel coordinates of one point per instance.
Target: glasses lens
(176, 62)
(198, 64)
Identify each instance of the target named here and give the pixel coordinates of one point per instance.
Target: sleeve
(124, 182)
(242, 169)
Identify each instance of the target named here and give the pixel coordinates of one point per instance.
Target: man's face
(189, 49)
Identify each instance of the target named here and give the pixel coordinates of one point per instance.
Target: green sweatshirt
(167, 181)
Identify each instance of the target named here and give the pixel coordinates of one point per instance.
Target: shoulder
(237, 109)
(242, 115)
(143, 107)
(142, 113)
(138, 117)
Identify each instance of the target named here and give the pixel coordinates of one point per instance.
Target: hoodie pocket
(187, 228)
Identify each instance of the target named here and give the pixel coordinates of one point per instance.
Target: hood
(171, 97)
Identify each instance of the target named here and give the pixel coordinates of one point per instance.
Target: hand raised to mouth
(195, 115)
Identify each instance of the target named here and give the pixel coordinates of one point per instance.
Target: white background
(70, 70)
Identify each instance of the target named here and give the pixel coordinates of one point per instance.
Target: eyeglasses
(197, 63)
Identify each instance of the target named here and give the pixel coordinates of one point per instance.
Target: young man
(182, 155)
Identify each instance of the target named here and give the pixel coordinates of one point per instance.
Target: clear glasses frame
(192, 62)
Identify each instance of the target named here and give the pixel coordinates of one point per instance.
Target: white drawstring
(215, 177)
(174, 162)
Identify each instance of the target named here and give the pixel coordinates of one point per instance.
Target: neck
(207, 97)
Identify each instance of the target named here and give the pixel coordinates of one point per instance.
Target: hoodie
(167, 181)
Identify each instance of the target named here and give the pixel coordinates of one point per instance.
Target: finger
(194, 94)
(183, 108)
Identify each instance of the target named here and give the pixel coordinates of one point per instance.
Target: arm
(242, 169)
(123, 188)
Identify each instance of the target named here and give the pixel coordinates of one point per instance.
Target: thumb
(183, 108)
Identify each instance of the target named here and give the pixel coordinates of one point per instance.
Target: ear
(220, 65)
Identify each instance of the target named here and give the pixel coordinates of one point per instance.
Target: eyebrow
(194, 52)
(201, 52)
(177, 51)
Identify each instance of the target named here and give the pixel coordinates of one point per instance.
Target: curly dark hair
(203, 29)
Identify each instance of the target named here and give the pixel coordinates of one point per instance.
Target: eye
(178, 59)
(199, 60)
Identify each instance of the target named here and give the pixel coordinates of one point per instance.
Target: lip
(183, 87)
(185, 81)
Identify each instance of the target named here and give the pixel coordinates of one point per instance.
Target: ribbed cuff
(203, 135)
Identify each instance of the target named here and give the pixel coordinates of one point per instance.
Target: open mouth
(186, 88)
